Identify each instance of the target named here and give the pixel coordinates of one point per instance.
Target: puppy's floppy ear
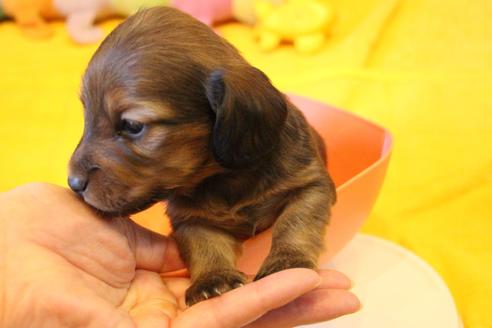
(250, 112)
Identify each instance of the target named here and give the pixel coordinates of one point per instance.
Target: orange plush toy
(31, 15)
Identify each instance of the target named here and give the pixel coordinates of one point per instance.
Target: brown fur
(223, 146)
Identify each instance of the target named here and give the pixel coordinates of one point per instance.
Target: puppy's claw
(213, 284)
(238, 285)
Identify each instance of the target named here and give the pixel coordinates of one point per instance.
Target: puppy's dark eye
(131, 128)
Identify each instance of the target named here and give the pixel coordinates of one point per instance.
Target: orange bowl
(358, 157)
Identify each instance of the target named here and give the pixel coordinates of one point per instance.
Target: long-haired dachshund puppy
(173, 112)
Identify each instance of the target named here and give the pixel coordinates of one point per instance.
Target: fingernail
(354, 303)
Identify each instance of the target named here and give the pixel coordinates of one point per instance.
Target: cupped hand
(62, 265)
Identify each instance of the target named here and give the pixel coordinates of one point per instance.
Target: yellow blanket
(422, 68)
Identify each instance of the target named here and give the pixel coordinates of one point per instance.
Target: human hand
(63, 265)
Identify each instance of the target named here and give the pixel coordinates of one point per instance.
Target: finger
(334, 280)
(330, 279)
(153, 252)
(149, 302)
(316, 306)
(243, 305)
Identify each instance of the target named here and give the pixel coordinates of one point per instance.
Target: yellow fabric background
(422, 68)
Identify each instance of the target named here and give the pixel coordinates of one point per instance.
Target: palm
(74, 258)
(79, 270)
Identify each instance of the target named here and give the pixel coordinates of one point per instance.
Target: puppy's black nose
(77, 184)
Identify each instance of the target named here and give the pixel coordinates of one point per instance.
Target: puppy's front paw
(284, 261)
(213, 284)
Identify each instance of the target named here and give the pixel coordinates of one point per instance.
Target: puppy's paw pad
(283, 262)
(214, 284)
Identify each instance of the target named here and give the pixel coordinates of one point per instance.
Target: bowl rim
(387, 137)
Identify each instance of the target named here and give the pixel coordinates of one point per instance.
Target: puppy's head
(168, 103)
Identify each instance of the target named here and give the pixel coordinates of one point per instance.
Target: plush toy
(215, 11)
(303, 22)
(209, 12)
(81, 15)
(31, 15)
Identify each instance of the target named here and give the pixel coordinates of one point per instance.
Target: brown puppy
(173, 112)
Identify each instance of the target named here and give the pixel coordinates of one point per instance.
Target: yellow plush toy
(303, 22)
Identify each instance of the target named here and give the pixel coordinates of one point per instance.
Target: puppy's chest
(241, 219)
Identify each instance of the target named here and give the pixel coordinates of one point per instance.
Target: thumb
(153, 251)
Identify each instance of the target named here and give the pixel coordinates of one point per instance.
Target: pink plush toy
(209, 12)
(215, 11)
(81, 15)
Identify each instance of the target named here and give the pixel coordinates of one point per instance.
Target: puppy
(173, 112)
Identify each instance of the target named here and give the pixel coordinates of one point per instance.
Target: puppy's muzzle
(81, 167)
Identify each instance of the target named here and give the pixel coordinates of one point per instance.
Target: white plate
(397, 289)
